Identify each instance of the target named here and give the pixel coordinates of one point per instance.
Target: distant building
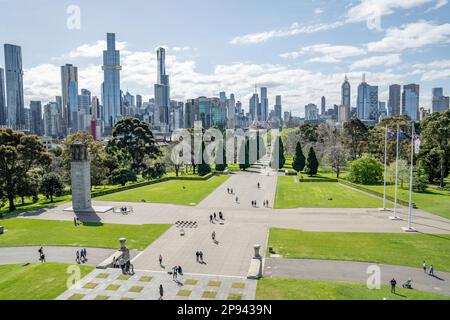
(344, 108)
(14, 87)
(264, 107)
(440, 103)
(278, 108)
(254, 107)
(311, 112)
(69, 87)
(394, 100)
(323, 105)
(3, 115)
(36, 120)
(162, 93)
(367, 101)
(410, 101)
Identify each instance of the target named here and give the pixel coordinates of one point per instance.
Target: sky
(301, 50)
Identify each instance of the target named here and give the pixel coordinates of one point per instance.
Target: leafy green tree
(221, 164)
(135, 138)
(122, 176)
(420, 180)
(308, 133)
(28, 186)
(356, 136)
(403, 172)
(156, 171)
(19, 153)
(436, 139)
(203, 168)
(366, 171)
(312, 164)
(278, 160)
(51, 185)
(299, 159)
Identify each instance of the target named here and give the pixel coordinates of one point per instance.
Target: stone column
(80, 170)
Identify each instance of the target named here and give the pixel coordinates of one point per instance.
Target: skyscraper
(311, 112)
(231, 111)
(14, 87)
(69, 87)
(162, 92)
(344, 108)
(440, 102)
(264, 105)
(394, 100)
(278, 107)
(37, 124)
(367, 101)
(111, 84)
(323, 103)
(254, 106)
(410, 101)
(2, 98)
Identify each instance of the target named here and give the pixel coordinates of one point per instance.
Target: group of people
(126, 266)
(81, 256)
(176, 270)
(41, 254)
(230, 191)
(124, 210)
(199, 255)
(213, 217)
(430, 270)
(254, 204)
(266, 203)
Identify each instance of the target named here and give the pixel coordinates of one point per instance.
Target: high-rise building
(367, 101)
(223, 96)
(394, 100)
(36, 121)
(311, 112)
(84, 101)
(2, 99)
(440, 103)
(139, 102)
(415, 88)
(264, 105)
(344, 108)
(51, 120)
(254, 106)
(278, 108)
(14, 87)
(69, 87)
(111, 84)
(231, 111)
(410, 101)
(323, 104)
(162, 92)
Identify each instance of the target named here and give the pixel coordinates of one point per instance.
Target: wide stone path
(355, 272)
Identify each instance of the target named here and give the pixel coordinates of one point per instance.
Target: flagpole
(395, 217)
(410, 228)
(385, 168)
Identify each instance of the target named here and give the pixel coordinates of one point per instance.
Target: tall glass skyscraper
(14, 87)
(394, 100)
(162, 92)
(69, 87)
(2, 98)
(111, 85)
(264, 104)
(367, 104)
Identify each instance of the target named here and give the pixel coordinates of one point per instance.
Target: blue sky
(299, 49)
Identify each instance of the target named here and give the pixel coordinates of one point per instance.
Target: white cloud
(318, 11)
(328, 53)
(439, 4)
(386, 60)
(411, 36)
(435, 70)
(90, 50)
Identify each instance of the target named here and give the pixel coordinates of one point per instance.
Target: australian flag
(401, 134)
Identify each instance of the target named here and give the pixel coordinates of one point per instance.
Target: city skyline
(301, 77)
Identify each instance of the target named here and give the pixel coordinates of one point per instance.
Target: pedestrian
(424, 266)
(267, 203)
(237, 199)
(393, 284)
(42, 257)
(161, 292)
(256, 204)
(232, 192)
(197, 256)
(431, 269)
(160, 260)
(201, 256)
(41, 250)
(258, 185)
(215, 217)
(180, 271)
(77, 257)
(174, 272)
(213, 235)
(220, 215)
(85, 254)
(210, 218)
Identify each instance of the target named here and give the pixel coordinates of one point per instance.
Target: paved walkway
(355, 272)
(52, 254)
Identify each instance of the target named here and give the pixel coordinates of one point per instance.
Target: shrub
(366, 171)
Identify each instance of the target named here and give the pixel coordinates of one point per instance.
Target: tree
(299, 159)
(356, 136)
(337, 156)
(366, 170)
(28, 186)
(436, 139)
(278, 159)
(203, 168)
(135, 138)
(19, 153)
(51, 185)
(122, 176)
(155, 171)
(308, 133)
(403, 172)
(420, 180)
(312, 164)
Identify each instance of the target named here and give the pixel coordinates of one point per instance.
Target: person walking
(161, 292)
(211, 218)
(393, 284)
(197, 256)
(228, 190)
(175, 272)
(160, 260)
(267, 203)
(215, 216)
(431, 269)
(424, 266)
(201, 256)
(77, 257)
(220, 215)
(232, 192)
(213, 236)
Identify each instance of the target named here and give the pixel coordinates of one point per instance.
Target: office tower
(27, 119)
(189, 113)
(344, 108)
(311, 112)
(410, 101)
(36, 121)
(84, 101)
(382, 111)
(111, 83)
(231, 111)
(367, 101)
(96, 108)
(323, 103)
(14, 87)
(394, 100)
(264, 105)
(254, 107)
(51, 120)
(2, 99)
(139, 102)
(278, 107)
(162, 92)
(440, 103)
(223, 96)
(69, 87)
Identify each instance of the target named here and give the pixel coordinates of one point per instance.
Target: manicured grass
(209, 294)
(298, 289)
(316, 194)
(387, 248)
(433, 200)
(39, 281)
(28, 205)
(33, 232)
(235, 296)
(184, 293)
(188, 193)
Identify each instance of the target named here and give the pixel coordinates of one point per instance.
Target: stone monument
(80, 169)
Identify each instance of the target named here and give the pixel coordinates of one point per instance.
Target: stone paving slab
(144, 285)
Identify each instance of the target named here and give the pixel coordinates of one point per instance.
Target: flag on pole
(417, 144)
(392, 134)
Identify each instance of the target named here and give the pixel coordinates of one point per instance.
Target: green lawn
(316, 194)
(39, 281)
(32, 232)
(188, 193)
(433, 201)
(387, 248)
(299, 289)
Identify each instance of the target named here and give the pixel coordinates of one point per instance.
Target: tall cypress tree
(203, 167)
(312, 164)
(246, 145)
(299, 159)
(278, 163)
